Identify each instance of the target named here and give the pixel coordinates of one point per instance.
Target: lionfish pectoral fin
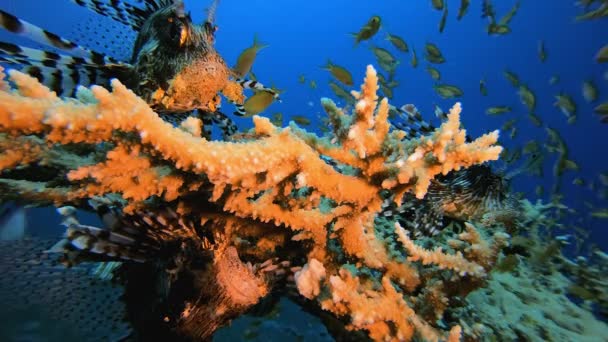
(124, 12)
(62, 73)
(411, 122)
(36, 34)
(78, 303)
(93, 243)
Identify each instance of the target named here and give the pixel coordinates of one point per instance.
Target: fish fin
(61, 73)
(411, 122)
(36, 34)
(257, 45)
(239, 110)
(119, 242)
(34, 285)
(221, 121)
(123, 12)
(255, 85)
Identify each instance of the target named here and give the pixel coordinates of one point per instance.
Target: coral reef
(219, 225)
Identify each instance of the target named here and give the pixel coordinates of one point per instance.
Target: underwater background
(303, 35)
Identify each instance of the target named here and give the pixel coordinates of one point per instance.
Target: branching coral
(275, 178)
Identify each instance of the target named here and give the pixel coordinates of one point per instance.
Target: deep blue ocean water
(303, 35)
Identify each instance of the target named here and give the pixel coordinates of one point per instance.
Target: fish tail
(257, 44)
(78, 302)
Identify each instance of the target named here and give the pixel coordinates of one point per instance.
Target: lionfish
(174, 66)
(474, 193)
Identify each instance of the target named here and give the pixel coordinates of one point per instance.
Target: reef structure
(225, 220)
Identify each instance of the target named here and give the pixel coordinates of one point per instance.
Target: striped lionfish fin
(419, 217)
(78, 302)
(84, 242)
(255, 85)
(36, 34)
(409, 120)
(61, 73)
(125, 237)
(124, 12)
(221, 121)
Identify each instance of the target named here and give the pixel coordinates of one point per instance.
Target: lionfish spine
(49, 58)
(255, 85)
(36, 34)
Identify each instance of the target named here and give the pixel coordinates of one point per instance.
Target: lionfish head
(176, 65)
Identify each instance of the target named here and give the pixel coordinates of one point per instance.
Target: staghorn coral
(227, 218)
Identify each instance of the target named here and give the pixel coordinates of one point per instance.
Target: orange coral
(258, 180)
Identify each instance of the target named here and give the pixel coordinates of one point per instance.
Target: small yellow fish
(381, 78)
(535, 119)
(602, 54)
(339, 73)
(602, 111)
(531, 147)
(482, 87)
(554, 80)
(247, 57)
(433, 54)
(599, 12)
(508, 125)
(258, 102)
(566, 104)
(388, 92)
(509, 16)
(383, 55)
(301, 120)
(589, 91)
(578, 181)
(437, 4)
(464, 7)
(497, 110)
(447, 91)
(313, 84)
(301, 79)
(277, 119)
(512, 77)
(498, 29)
(392, 83)
(414, 61)
(433, 72)
(444, 18)
(600, 213)
(542, 53)
(563, 164)
(369, 30)
(342, 93)
(527, 97)
(397, 42)
(390, 68)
